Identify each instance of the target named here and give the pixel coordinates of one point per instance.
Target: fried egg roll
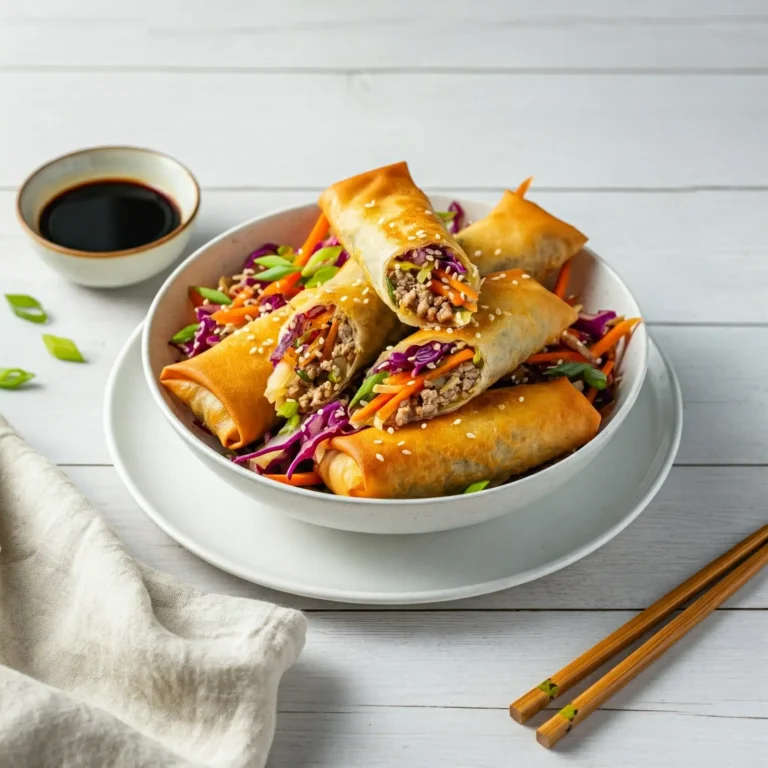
(387, 224)
(518, 234)
(333, 332)
(432, 372)
(502, 433)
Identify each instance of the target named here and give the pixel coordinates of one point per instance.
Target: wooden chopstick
(615, 679)
(537, 698)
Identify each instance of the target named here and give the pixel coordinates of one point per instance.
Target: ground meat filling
(438, 394)
(418, 298)
(320, 389)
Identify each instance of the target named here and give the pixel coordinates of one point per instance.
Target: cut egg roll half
(434, 372)
(414, 263)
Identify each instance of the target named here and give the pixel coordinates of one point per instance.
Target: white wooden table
(646, 124)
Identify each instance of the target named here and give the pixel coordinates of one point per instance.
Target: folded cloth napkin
(106, 662)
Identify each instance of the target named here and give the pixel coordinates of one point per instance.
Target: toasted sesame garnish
(436, 346)
(451, 295)
(526, 277)
(390, 347)
(457, 421)
(502, 406)
(560, 361)
(484, 306)
(269, 341)
(402, 442)
(478, 253)
(599, 360)
(471, 435)
(379, 457)
(355, 300)
(427, 211)
(370, 205)
(252, 351)
(366, 291)
(381, 220)
(365, 301)
(521, 399)
(449, 330)
(497, 252)
(424, 425)
(438, 237)
(250, 337)
(421, 233)
(391, 224)
(411, 237)
(432, 366)
(344, 298)
(249, 318)
(478, 335)
(357, 282)
(391, 430)
(498, 311)
(406, 452)
(494, 279)
(491, 317)
(378, 442)
(503, 275)
(514, 282)
(412, 381)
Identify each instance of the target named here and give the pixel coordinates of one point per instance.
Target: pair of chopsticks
(740, 564)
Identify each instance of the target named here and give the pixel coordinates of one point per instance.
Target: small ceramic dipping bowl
(113, 268)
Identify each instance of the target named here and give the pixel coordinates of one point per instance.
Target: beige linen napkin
(106, 662)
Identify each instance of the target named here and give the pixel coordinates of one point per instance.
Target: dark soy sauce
(108, 215)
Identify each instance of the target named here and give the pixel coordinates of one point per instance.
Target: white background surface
(645, 124)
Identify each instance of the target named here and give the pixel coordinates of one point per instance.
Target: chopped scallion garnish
(26, 307)
(63, 349)
(214, 296)
(366, 388)
(185, 334)
(475, 487)
(11, 378)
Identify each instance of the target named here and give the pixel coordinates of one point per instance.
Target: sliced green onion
(446, 215)
(185, 334)
(27, 308)
(290, 425)
(477, 359)
(276, 273)
(408, 265)
(591, 375)
(323, 275)
(391, 290)
(367, 386)
(475, 487)
(332, 377)
(285, 250)
(425, 273)
(217, 297)
(320, 258)
(63, 349)
(11, 378)
(303, 375)
(288, 408)
(272, 261)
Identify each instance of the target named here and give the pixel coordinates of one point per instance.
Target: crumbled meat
(431, 399)
(344, 346)
(418, 298)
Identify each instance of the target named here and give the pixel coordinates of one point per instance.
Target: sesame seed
(391, 430)
(424, 425)
(391, 224)
(344, 298)
(411, 237)
(355, 300)
(514, 282)
(252, 351)
(471, 435)
(491, 317)
(412, 381)
(503, 275)
(494, 279)
(497, 252)
(451, 295)
(449, 330)
(363, 403)
(365, 301)
(261, 350)
(498, 311)
(357, 282)
(502, 407)
(269, 341)
(378, 442)
(432, 366)
(379, 457)
(427, 211)
(521, 399)
(402, 442)
(249, 318)
(421, 233)
(458, 421)
(437, 236)
(484, 306)
(370, 205)
(366, 291)
(478, 253)
(599, 360)
(406, 452)
(390, 347)
(560, 361)
(250, 337)
(381, 220)
(478, 335)
(526, 277)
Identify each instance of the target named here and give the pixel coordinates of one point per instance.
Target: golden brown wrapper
(224, 386)
(518, 234)
(498, 437)
(381, 214)
(515, 319)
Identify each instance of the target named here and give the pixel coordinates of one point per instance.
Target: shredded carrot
(331, 340)
(469, 292)
(470, 305)
(450, 293)
(524, 187)
(454, 361)
(317, 235)
(612, 338)
(367, 411)
(235, 315)
(399, 378)
(242, 296)
(561, 286)
(606, 369)
(297, 478)
(566, 355)
(389, 408)
(196, 299)
(278, 286)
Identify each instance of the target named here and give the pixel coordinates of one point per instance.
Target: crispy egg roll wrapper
(510, 437)
(351, 294)
(382, 214)
(516, 318)
(224, 386)
(518, 234)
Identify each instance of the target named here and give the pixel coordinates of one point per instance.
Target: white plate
(246, 538)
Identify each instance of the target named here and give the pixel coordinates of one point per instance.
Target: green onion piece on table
(63, 349)
(12, 378)
(26, 307)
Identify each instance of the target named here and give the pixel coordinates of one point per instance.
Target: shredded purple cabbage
(445, 258)
(299, 323)
(457, 222)
(204, 337)
(300, 446)
(271, 303)
(267, 249)
(595, 325)
(330, 242)
(415, 358)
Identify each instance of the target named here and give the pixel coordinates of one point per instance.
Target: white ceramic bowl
(593, 279)
(115, 268)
